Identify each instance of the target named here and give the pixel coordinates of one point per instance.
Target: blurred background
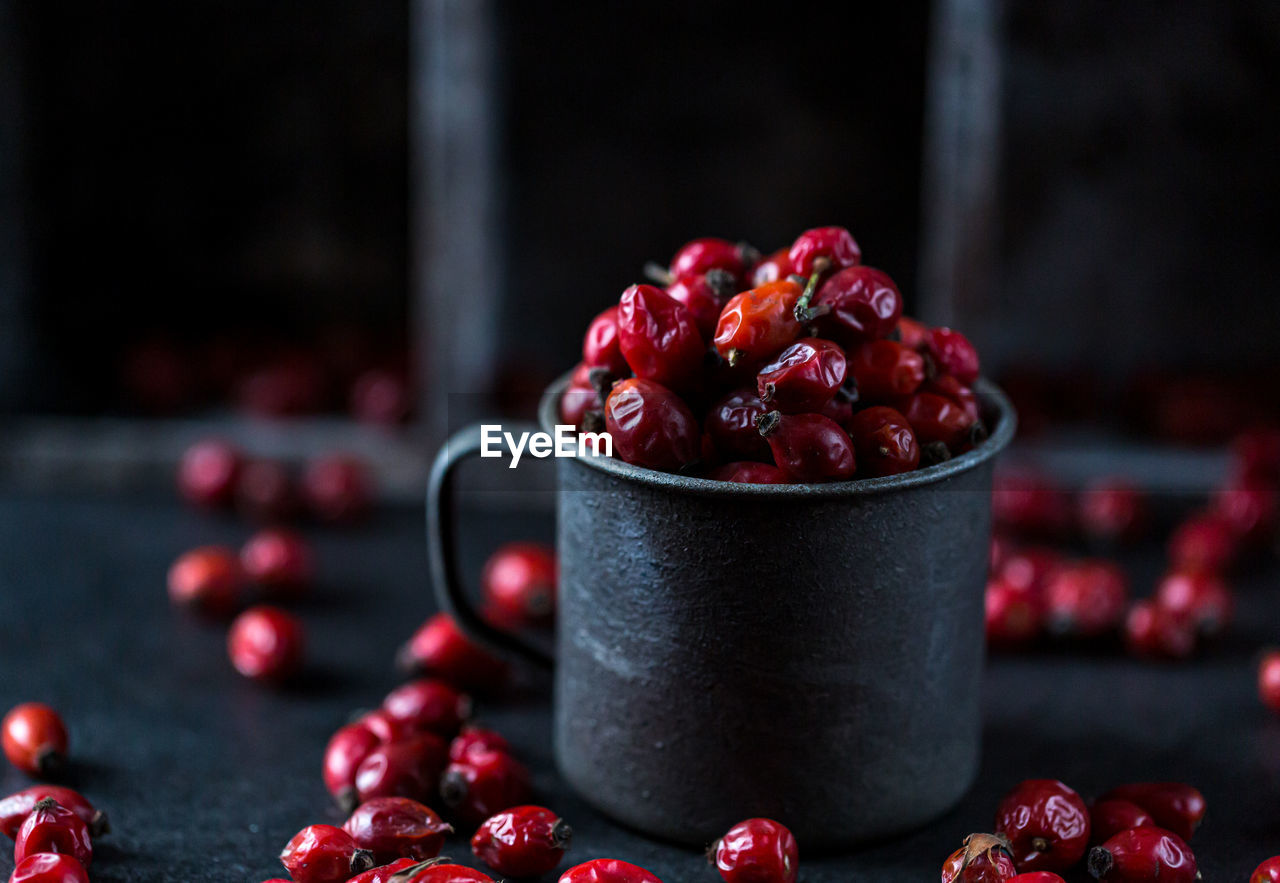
(333, 225)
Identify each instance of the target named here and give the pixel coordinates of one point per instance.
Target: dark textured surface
(207, 775)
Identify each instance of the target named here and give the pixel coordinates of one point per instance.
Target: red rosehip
(771, 268)
(885, 368)
(477, 740)
(749, 472)
(265, 492)
(949, 388)
(409, 768)
(386, 726)
(49, 867)
(858, 304)
(607, 870)
(1143, 855)
(1151, 632)
(389, 873)
(392, 828)
(381, 397)
(1109, 817)
(731, 424)
(982, 859)
(1248, 506)
(17, 806)
(347, 749)
(1175, 806)
(834, 245)
(953, 354)
(278, 560)
(1012, 614)
(1086, 598)
(440, 648)
(757, 323)
(266, 644)
(913, 333)
(1205, 541)
(34, 739)
(524, 841)
(600, 346)
(443, 873)
(1046, 823)
(428, 704)
(208, 580)
(803, 377)
(1030, 568)
(937, 420)
(51, 827)
(809, 447)
(1267, 872)
(582, 396)
(324, 854)
(1199, 598)
(840, 407)
(519, 583)
(207, 472)
(482, 784)
(883, 442)
(1269, 680)
(757, 851)
(1113, 510)
(1029, 504)
(709, 253)
(704, 296)
(659, 337)
(651, 426)
(337, 487)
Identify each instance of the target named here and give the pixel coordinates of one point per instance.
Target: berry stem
(657, 273)
(802, 312)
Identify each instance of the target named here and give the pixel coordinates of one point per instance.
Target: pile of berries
(794, 367)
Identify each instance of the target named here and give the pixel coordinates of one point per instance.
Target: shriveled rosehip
(207, 472)
(1151, 632)
(1267, 872)
(857, 304)
(17, 806)
(607, 870)
(938, 420)
(386, 726)
(389, 873)
(266, 644)
(380, 396)
(523, 841)
(757, 323)
(278, 560)
(324, 854)
(49, 867)
(1037, 877)
(347, 749)
(840, 407)
(1085, 598)
(1046, 823)
(885, 368)
(704, 296)
(913, 333)
(51, 827)
(35, 739)
(1205, 541)
(208, 580)
(771, 268)
(659, 337)
(397, 827)
(809, 447)
(731, 424)
(440, 648)
(482, 784)
(477, 740)
(519, 583)
(1012, 614)
(953, 354)
(949, 388)
(429, 704)
(265, 492)
(883, 442)
(1199, 598)
(1030, 568)
(803, 377)
(1113, 510)
(1029, 504)
(1269, 680)
(1143, 855)
(834, 245)
(408, 768)
(757, 851)
(1249, 506)
(749, 472)
(709, 253)
(581, 401)
(1175, 806)
(651, 426)
(601, 347)
(983, 859)
(337, 487)
(1109, 817)
(445, 872)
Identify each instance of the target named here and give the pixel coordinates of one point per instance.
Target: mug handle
(443, 553)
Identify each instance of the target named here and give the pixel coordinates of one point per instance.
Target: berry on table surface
(984, 858)
(429, 704)
(17, 806)
(519, 583)
(48, 867)
(208, 471)
(440, 649)
(1143, 855)
(1175, 806)
(731, 424)
(757, 851)
(208, 580)
(1205, 541)
(1012, 614)
(478, 740)
(1109, 817)
(1151, 632)
(337, 488)
(608, 870)
(279, 561)
(1198, 598)
(1085, 598)
(1113, 510)
(51, 827)
(409, 767)
(1046, 824)
(324, 854)
(483, 783)
(523, 841)
(1269, 680)
(34, 739)
(347, 749)
(392, 828)
(1267, 872)
(266, 644)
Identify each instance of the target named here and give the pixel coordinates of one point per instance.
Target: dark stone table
(207, 775)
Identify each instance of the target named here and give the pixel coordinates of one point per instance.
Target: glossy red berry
(582, 397)
(1012, 614)
(953, 354)
(1046, 823)
(51, 827)
(523, 841)
(1199, 598)
(1205, 541)
(607, 870)
(749, 472)
(1269, 680)
(771, 268)
(347, 749)
(392, 828)
(651, 426)
(885, 368)
(409, 767)
(883, 442)
(266, 644)
(704, 296)
(324, 854)
(757, 851)
(482, 784)
(1113, 510)
(949, 388)
(208, 471)
(444, 872)
(279, 561)
(387, 727)
(1267, 872)
(49, 867)
(1109, 817)
(519, 583)
(1029, 504)
(757, 323)
(439, 648)
(937, 420)
(1143, 855)
(1086, 598)
(833, 245)
(858, 304)
(601, 347)
(381, 397)
(1151, 632)
(731, 424)
(477, 740)
(983, 859)
(35, 739)
(710, 253)
(337, 487)
(659, 337)
(265, 492)
(429, 704)
(17, 806)
(803, 377)
(809, 447)
(1030, 567)
(1175, 806)
(913, 333)
(388, 873)
(208, 579)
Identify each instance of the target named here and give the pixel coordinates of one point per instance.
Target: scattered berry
(51, 827)
(476, 740)
(347, 749)
(1143, 855)
(439, 648)
(429, 704)
(1199, 598)
(337, 488)
(208, 471)
(49, 867)
(524, 841)
(266, 644)
(324, 854)
(1113, 511)
(1109, 817)
(519, 583)
(607, 870)
(208, 580)
(1151, 632)
(409, 767)
(16, 807)
(35, 739)
(1203, 542)
(1175, 806)
(1046, 823)
(1012, 614)
(482, 784)
(983, 859)
(1269, 680)
(1085, 598)
(392, 828)
(757, 851)
(278, 560)
(1267, 872)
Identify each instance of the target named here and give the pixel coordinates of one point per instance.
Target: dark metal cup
(809, 653)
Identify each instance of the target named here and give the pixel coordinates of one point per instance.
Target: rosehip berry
(651, 426)
(410, 767)
(380, 396)
(347, 749)
(35, 739)
(1143, 855)
(1203, 542)
(757, 323)
(519, 583)
(49, 867)
(913, 333)
(983, 859)
(709, 253)
(392, 828)
(858, 304)
(809, 447)
(265, 492)
(937, 420)
(1267, 872)
(704, 296)
(477, 740)
(16, 807)
(1012, 614)
(1249, 507)
(1151, 632)
(482, 784)
(771, 268)
(883, 442)
(582, 396)
(440, 648)
(1269, 680)
(600, 346)
(659, 337)
(885, 368)
(208, 580)
(266, 644)
(337, 488)
(1030, 568)
(731, 424)
(524, 841)
(1113, 511)
(428, 704)
(1029, 504)
(443, 873)
(385, 726)
(834, 245)
(953, 354)
(278, 560)
(51, 827)
(840, 407)
(749, 472)
(324, 854)
(1085, 598)
(1109, 817)
(803, 377)
(757, 851)
(1046, 823)
(389, 873)
(607, 870)
(1199, 598)
(1175, 806)
(207, 472)
(949, 388)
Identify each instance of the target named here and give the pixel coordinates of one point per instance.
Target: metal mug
(808, 653)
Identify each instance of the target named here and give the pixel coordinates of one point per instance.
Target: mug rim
(991, 396)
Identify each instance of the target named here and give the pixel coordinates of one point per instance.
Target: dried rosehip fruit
(1085, 598)
(482, 784)
(756, 851)
(809, 447)
(1113, 510)
(1267, 872)
(208, 471)
(757, 323)
(34, 739)
(857, 304)
(17, 806)
(407, 768)
(279, 561)
(519, 583)
(51, 827)
(1199, 598)
(607, 870)
(524, 841)
(1151, 632)
(704, 296)
(884, 369)
(984, 858)
(710, 253)
(1175, 806)
(440, 648)
(324, 854)
(49, 867)
(771, 268)
(397, 827)
(208, 580)
(823, 247)
(651, 426)
(429, 704)
(659, 337)
(1109, 817)
(1143, 855)
(1269, 680)
(731, 424)
(266, 644)
(1046, 823)
(600, 346)
(883, 442)
(803, 377)
(347, 749)
(953, 354)
(477, 740)
(1012, 614)
(1206, 541)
